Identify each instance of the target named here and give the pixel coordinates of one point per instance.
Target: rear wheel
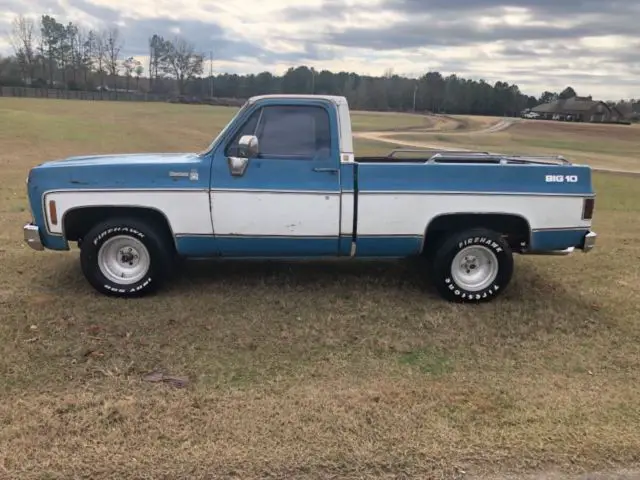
(125, 257)
(472, 266)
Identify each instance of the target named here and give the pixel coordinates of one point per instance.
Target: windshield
(225, 129)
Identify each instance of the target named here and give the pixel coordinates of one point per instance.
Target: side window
(249, 128)
(294, 131)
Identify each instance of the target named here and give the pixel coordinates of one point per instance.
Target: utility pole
(211, 74)
(415, 92)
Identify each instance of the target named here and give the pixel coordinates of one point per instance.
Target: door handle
(326, 170)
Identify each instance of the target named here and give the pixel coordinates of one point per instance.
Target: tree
(23, 41)
(52, 34)
(548, 97)
(139, 71)
(112, 47)
(87, 43)
(157, 47)
(98, 48)
(67, 50)
(568, 92)
(181, 61)
(129, 66)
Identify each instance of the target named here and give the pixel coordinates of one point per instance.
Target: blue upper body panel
(152, 170)
(474, 178)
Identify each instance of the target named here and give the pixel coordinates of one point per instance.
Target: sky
(592, 45)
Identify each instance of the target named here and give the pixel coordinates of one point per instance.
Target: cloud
(538, 44)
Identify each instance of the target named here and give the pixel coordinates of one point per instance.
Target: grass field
(305, 370)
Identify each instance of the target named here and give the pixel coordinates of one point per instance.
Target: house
(579, 109)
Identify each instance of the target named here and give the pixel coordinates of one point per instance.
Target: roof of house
(574, 104)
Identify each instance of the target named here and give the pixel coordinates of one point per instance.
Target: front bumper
(32, 236)
(589, 242)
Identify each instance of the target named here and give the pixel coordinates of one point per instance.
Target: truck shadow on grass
(373, 294)
(398, 281)
(343, 274)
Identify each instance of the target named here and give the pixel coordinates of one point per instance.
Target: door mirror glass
(248, 146)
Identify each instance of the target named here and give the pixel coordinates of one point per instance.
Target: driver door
(286, 201)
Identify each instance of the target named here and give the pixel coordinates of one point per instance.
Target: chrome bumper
(589, 242)
(32, 236)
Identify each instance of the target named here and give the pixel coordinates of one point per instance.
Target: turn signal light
(53, 212)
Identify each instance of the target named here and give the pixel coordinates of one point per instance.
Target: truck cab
(281, 181)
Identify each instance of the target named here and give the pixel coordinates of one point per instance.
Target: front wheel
(472, 266)
(125, 257)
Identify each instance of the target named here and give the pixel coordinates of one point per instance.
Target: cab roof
(332, 98)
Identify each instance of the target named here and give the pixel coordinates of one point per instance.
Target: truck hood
(123, 171)
(122, 159)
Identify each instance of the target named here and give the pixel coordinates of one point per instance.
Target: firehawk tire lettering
(443, 279)
(155, 242)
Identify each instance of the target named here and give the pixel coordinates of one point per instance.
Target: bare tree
(181, 61)
(98, 52)
(23, 40)
(112, 45)
(86, 41)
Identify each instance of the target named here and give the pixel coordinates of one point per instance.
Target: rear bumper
(587, 244)
(589, 241)
(32, 236)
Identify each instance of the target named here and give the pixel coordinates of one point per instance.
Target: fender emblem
(192, 175)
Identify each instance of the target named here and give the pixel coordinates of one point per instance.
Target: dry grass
(304, 370)
(389, 121)
(606, 146)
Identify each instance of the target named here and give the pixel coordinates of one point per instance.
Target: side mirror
(248, 146)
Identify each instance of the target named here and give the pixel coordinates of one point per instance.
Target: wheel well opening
(515, 229)
(77, 222)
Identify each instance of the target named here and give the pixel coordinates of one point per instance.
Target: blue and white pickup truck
(281, 181)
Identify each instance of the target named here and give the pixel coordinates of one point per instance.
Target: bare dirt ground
(306, 369)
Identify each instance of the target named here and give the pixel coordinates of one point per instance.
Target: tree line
(50, 54)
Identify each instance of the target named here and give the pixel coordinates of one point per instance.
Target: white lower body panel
(293, 214)
(410, 214)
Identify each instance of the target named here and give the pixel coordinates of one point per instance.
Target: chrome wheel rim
(124, 260)
(474, 268)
